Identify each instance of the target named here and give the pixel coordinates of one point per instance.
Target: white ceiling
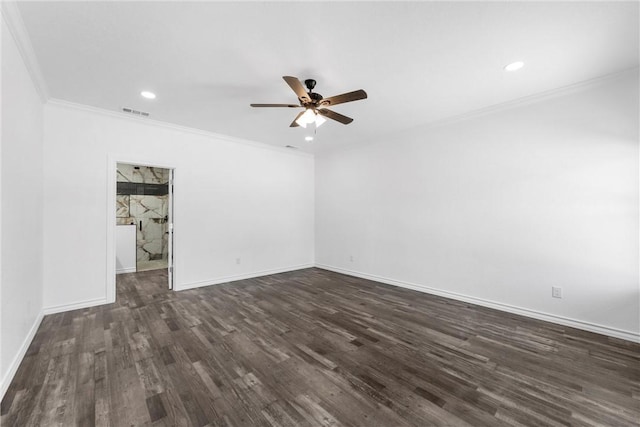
(419, 61)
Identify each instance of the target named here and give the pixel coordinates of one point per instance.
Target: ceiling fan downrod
(315, 97)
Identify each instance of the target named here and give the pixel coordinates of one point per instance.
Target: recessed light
(514, 66)
(148, 95)
(308, 138)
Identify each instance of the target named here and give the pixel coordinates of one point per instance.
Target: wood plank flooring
(314, 348)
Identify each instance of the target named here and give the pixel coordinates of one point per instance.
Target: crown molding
(12, 18)
(491, 109)
(171, 126)
(533, 99)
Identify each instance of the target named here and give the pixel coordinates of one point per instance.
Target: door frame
(112, 164)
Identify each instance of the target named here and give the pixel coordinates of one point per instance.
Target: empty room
(320, 213)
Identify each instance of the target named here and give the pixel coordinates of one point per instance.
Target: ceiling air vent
(135, 112)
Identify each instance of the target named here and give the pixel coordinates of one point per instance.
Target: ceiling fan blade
(297, 87)
(345, 97)
(294, 124)
(335, 116)
(277, 105)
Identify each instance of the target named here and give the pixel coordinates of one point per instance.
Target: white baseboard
(74, 306)
(126, 270)
(560, 320)
(227, 279)
(15, 363)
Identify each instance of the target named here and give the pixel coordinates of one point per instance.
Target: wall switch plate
(351, 258)
(556, 292)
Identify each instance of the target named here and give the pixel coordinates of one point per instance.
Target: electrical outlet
(237, 260)
(556, 292)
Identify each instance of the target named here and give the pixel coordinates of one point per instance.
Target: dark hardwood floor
(315, 348)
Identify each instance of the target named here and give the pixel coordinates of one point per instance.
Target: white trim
(532, 99)
(227, 279)
(126, 270)
(491, 109)
(560, 320)
(445, 121)
(74, 306)
(166, 125)
(170, 240)
(15, 24)
(17, 359)
(110, 279)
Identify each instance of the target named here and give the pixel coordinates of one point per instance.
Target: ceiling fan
(315, 106)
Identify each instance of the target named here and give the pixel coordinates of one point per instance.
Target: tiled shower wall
(138, 208)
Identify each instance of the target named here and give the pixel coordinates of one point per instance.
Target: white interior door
(170, 231)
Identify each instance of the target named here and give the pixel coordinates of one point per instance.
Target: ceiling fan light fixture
(319, 120)
(308, 117)
(514, 66)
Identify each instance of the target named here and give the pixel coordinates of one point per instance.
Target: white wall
(232, 200)
(21, 199)
(126, 249)
(499, 208)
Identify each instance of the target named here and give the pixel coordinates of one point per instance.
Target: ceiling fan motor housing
(315, 96)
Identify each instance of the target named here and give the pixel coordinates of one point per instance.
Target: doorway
(144, 219)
